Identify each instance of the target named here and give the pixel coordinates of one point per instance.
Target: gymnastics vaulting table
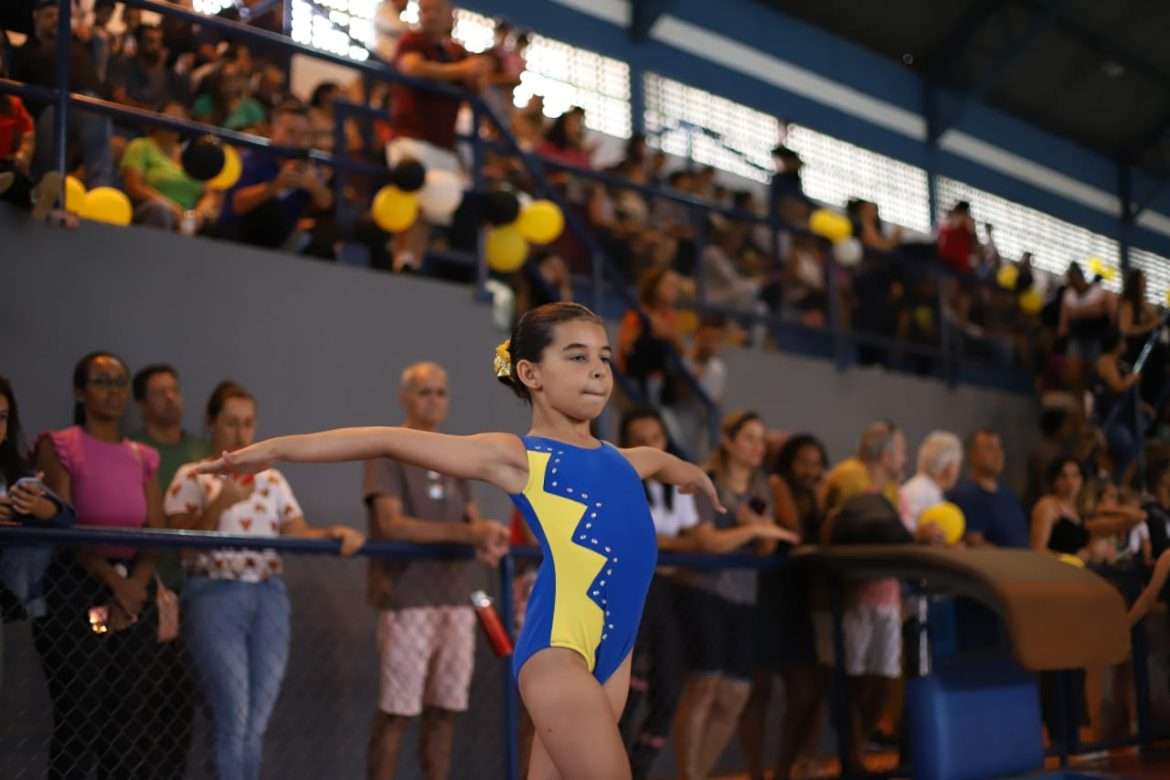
(980, 720)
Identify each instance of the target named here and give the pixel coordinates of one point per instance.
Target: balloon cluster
(101, 204)
(215, 164)
(413, 190)
(827, 223)
(515, 226)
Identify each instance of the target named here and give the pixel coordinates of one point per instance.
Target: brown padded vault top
(1058, 616)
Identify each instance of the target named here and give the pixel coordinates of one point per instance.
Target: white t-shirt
(1137, 534)
(270, 506)
(919, 494)
(682, 515)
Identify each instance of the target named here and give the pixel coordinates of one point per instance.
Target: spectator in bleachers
(160, 405)
(688, 416)
(647, 338)
(940, 458)
(423, 121)
(872, 231)
(958, 245)
(321, 121)
(720, 605)
(565, 140)
(426, 627)
(528, 124)
(143, 79)
(994, 514)
(660, 654)
(163, 194)
(1086, 315)
(724, 282)
(270, 204)
(1120, 412)
(872, 620)
(270, 85)
(785, 642)
(1157, 506)
(226, 100)
(102, 43)
(90, 135)
(23, 499)
(389, 28)
(545, 279)
(98, 641)
(17, 147)
(1058, 426)
(236, 614)
(786, 192)
(1137, 319)
(804, 282)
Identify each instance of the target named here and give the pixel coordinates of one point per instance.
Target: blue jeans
(94, 134)
(238, 637)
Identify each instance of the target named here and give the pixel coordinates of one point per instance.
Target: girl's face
(574, 375)
(646, 432)
(1068, 483)
(748, 446)
(106, 391)
(235, 425)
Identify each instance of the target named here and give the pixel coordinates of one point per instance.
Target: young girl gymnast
(585, 503)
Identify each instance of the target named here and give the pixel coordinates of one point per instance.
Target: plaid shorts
(873, 640)
(427, 659)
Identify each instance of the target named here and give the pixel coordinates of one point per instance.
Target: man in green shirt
(160, 403)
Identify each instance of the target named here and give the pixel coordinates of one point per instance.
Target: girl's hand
(773, 532)
(28, 498)
(351, 540)
(249, 460)
(697, 482)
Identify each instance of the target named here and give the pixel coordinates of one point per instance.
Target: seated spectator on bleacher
(1157, 506)
(545, 278)
(143, 78)
(647, 338)
(871, 230)
(225, 99)
(804, 281)
(321, 122)
(565, 140)
(688, 416)
(17, 147)
(90, 135)
(1058, 427)
(103, 45)
(994, 515)
(164, 196)
(724, 281)
(957, 244)
(270, 85)
(939, 459)
(1086, 316)
(273, 196)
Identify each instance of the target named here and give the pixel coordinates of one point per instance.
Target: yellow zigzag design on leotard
(577, 621)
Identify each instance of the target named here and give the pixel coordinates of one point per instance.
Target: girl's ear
(529, 375)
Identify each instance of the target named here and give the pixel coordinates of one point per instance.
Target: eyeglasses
(109, 382)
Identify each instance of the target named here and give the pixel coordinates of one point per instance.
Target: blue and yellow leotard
(588, 509)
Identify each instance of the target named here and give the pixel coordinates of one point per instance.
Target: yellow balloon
(229, 174)
(948, 517)
(394, 210)
(830, 225)
(505, 249)
(74, 195)
(1031, 301)
(1071, 560)
(541, 222)
(1007, 276)
(106, 204)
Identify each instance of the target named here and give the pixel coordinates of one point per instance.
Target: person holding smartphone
(720, 605)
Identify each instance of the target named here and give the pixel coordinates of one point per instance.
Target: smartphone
(99, 620)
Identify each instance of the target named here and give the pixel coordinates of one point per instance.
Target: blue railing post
(511, 703)
(60, 118)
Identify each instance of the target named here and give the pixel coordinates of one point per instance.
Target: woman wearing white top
(235, 607)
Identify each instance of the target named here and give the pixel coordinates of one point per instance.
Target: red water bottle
(490, 621)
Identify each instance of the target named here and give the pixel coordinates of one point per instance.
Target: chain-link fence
(289, 671)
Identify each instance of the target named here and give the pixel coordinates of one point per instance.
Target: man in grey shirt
(426, 625)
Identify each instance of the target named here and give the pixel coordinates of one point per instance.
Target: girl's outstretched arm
(663, 467)
(498, 459)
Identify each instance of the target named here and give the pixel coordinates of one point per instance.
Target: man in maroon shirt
(422, 121)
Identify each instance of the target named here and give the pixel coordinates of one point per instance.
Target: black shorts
(783, 624)
(721, 633)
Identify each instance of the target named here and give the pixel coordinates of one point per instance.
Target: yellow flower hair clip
(503, 360)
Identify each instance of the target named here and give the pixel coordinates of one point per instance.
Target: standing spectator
(1157, 507)
(871, 230)
(994, 515)
(872, 620)
(423, 121)
(271, 201)
(160, 405)
(143, 79)
(101, 42)
(958, 245)
(23, 500)
(1137, 319)
(426, 627)
(659, 655)
(565, 140)
(226, 100)
(786, 643)
(1118, 407)
(939, 461)
(236, 614)
(721, 605)
(1086, 312)
(1057, 432)
(163, 194)
(99, 682)
(36, 63)
(787, 191)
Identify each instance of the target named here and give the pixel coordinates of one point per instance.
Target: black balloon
(501, 208)
(203, 159)
(409, 175)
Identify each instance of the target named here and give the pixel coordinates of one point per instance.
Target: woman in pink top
(98, 641)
